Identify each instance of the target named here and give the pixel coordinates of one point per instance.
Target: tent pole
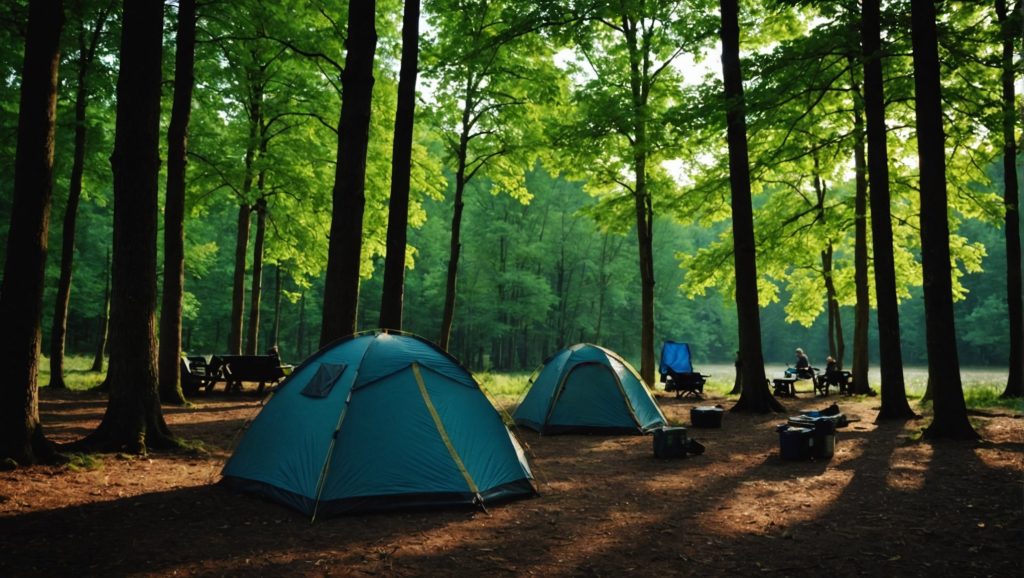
(327, 462)
(444, 433)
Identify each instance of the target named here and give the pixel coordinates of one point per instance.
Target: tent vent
(322, 383)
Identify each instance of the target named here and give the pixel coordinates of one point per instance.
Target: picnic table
(784, 387)
(198, 373)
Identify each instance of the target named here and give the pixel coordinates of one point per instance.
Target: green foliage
(547, 260)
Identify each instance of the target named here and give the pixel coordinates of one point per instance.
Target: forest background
(549, 247)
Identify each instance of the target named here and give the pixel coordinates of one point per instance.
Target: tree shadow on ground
(200, 530)
(884, 505)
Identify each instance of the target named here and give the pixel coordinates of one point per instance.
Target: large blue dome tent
(586, 388)
(379, 421)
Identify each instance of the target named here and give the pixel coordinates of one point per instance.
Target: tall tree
(101, 342)
(255, 77)
(755, 396)
(133, 420)
(836, 342)
(257, 271)
(943, 363)
(174, 206)
(619, 135)
(88, 40)
(237, 319)
(488, 70)
(21, 294)
(862, 308)
(1009, 25)
(341, 290)
(894, 397)
(401, 159)
(276, 333)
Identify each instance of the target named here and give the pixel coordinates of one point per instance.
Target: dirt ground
(884, 505)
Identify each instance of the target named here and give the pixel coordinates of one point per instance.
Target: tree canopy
(569, 163)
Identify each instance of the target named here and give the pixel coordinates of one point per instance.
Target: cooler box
(670, 442)
(795, 443)
(823, 430)
(706, 416)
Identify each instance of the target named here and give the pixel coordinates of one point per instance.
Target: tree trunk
(642, 203)
(645, 240)
(894, 396)
(344, 255)
(276, 334)
(862, 309)
(755, 396)
(300, 333)
(836, 346)
(21, 294)
(58, 331)
(133, 420)
(101, 345)
(455, 245)
(256, 141)
(401, 159)
(257, 273)
(840, 339)
(737, 384)
(174, 207)
(602, 287)
(238, 284)
(943, 363)
(1010, 28)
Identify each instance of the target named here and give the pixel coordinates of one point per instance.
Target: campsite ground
(885, 504)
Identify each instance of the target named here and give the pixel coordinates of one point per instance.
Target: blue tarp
(675, 357)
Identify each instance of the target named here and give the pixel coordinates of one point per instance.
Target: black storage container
(823, 430)
(706, 416)
(795, 443)
(670, 442)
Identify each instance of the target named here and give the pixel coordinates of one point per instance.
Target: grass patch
(718, 387)
(508, 387)
(976, 396)
(79, 462)
(78, 374)
(192, 446)
(987, 395)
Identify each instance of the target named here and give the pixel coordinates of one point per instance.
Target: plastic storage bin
(823, 430)
(706, 416)
(795, 443)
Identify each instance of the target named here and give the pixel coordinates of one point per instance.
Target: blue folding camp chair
(677, 372)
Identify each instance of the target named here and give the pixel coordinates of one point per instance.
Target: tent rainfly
(379, 421)
(588, 389)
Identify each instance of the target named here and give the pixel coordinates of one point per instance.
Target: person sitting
(831, 366)
(834, 375)
(803, 365)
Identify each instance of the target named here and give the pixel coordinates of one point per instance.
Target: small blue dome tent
(379, 421)
(588, 389)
